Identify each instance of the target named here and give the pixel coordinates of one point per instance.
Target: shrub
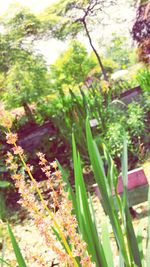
(114, 138)
(143, 78)
(136, 119)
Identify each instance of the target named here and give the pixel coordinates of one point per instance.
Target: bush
(136, 119)
(114, 138)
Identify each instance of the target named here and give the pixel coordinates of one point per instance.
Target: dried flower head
(11, 138)
(6, 118)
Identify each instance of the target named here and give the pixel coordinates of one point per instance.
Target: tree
(17, 36)
(120, 52)
(72, 67)
(69, 17)
(26, 81)
(24, 75)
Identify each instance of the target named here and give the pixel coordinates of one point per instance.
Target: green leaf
(106, 193)
(125, 173)
(19, 257)
(148, 234)
(131, 237)
(3, 261)
(106, 243)
(68, 186)
(121, 260)
(4, 184)
(87, 226)
(139, 241)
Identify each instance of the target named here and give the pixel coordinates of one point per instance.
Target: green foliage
(120, 221)
(114, 138)
(69, 113)
(120, 52)
(136, 119)
(132, 125)
(68, 18)
(4, 184)
(17, 251)
(114, 119)
(26, 82)
(143, 78)
(106, 183)
(71, 68)
(56, 21)
(87, 226)
(15, 43)
(22, 24)
(3, 208)
(23, 75)
(116, 209)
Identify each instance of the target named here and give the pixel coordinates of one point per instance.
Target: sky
(34, 5)
(51, 49)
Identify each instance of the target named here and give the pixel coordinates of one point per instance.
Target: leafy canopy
(72, 67)
(23, 74)
(67, 17)
(26, 82)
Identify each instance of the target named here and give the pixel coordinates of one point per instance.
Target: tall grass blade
(19, 257)
(139, 241)
(68, 186)
(105, 190)
(107, 244)
(86, 225)
(5, 262)
(121, 260)
(148, 234)
(131, 237)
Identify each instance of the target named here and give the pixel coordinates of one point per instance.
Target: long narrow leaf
(131, 237)
(107, 244)
(86, 224)
(139, 241)
(19, 257)
(148, 234)
(105, 191)
(3, 261)
(69, 188)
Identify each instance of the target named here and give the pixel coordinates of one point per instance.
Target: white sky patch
(50, 49)
(34, 5)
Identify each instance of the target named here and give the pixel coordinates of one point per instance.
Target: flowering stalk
(64, 229)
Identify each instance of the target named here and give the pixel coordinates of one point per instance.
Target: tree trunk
(28, 112)
(95, 51)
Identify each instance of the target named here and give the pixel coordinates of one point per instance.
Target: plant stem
(48, 210)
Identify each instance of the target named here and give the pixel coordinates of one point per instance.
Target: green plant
(106, 183)
(4, 185)
(114, 138)
(120, 52)
(143, 78)
(136, 119)
(50, 215)
(127, 243)
(19, 257)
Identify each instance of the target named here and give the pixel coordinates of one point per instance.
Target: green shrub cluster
(114, 118)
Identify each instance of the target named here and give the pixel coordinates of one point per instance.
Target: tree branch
(95, 51)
